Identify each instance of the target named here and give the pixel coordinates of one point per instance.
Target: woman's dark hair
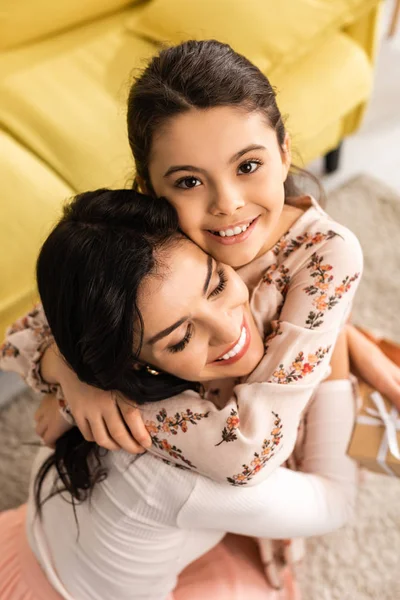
(198, 74)
(89, 272)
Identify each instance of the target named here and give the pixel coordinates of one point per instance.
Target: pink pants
(230, 571)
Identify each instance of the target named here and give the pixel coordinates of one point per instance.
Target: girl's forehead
(200, 134)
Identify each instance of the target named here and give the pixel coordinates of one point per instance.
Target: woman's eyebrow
(236, 156)
(171, 328)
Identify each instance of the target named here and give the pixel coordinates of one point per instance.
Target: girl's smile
(236, 233)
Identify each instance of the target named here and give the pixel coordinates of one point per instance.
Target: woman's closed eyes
(223, 279)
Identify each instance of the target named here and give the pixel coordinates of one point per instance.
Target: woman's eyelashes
(183, 343)
(223, 280)
(249, 166)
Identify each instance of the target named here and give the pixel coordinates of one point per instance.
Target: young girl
(113, 275)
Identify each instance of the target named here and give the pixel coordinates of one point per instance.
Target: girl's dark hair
(198, 74)
(89, 272)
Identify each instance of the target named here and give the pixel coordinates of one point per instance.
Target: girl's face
(197, 322)
(223, 170)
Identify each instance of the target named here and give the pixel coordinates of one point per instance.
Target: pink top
(301, 294)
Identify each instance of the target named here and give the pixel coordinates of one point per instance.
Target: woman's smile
(236, 351)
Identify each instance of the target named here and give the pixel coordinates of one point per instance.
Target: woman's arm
(288, 503)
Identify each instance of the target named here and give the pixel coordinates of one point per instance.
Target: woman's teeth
(236, 349)
(235, 231)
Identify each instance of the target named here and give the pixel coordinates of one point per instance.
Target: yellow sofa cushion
(272, 34)
(30, 201)
(22, 21)
(310, 99)
(65, 98)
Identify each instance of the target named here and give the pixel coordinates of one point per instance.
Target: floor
(374, 149)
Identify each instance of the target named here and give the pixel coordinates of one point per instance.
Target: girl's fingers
(134, 422)
(120, 433)
(84, 427)
(101, 435)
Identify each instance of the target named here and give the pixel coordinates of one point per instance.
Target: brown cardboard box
(370, 439)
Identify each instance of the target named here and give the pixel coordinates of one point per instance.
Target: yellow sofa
(65, 69)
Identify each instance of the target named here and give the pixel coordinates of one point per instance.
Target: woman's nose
(226, 202)
(226, 328)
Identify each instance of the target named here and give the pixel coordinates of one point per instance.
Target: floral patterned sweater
(301, 293)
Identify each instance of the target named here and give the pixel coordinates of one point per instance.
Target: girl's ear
(286, 153)
(141, 185)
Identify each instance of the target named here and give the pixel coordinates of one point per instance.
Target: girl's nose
(226, 202)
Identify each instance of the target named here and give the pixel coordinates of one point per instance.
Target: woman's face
(224, 171)
(197, 322)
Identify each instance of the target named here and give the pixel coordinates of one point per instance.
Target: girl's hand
(50, 424)
(103, 417)
(373, 366)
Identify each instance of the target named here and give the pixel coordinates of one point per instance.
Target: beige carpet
(361, 561)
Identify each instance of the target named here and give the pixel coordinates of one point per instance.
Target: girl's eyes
(246, 168)
(223, 280)
(187, 183)
(250, 166)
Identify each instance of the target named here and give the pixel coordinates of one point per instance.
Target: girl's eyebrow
(176, 168)
(236, 156)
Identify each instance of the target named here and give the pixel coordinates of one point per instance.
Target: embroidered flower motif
(171, 425)
(261, 458)
(8, 350)
(324, 300)
(287, 246)
(299, 367)
(282, 282)
(228, 432)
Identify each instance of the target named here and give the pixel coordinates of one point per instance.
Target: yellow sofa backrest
(23, 21)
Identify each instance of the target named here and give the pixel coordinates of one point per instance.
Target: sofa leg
(331, 159)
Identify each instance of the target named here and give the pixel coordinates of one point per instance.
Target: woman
(115, 277)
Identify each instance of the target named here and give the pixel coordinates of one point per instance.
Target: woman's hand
(373, 366)
(50, 424)
(106, 418)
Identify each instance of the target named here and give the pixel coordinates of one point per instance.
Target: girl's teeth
(235, 231)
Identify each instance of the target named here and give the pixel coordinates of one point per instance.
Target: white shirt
(148, 520)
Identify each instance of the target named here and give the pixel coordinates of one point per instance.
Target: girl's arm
(30, 351)
(373, 366)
